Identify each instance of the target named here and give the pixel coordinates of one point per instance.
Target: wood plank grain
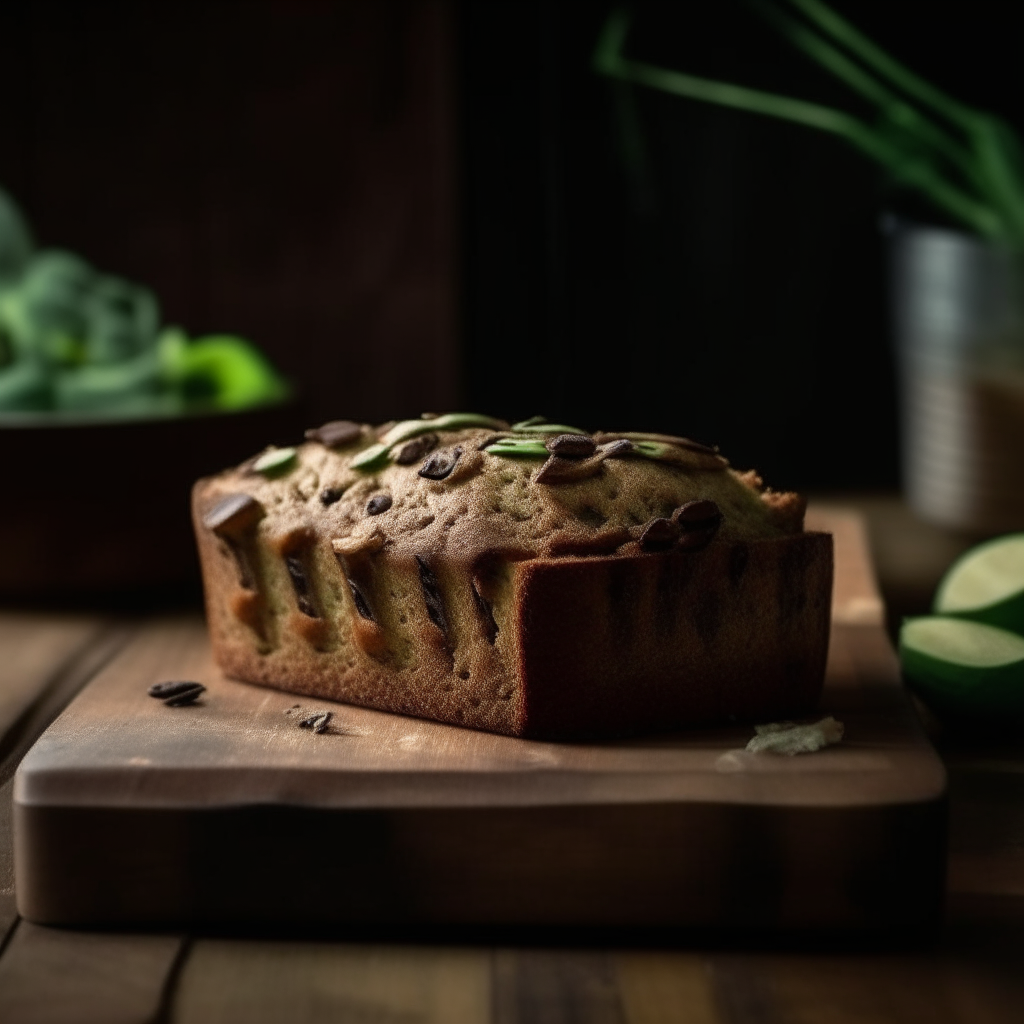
(409, 785)
(910, 555)
(944, 987)
(555, 987)
(46, 660)
(666, 988)
(56, 689)
(986, 841)
(35, 647)
(448, 824)
(8, 908)
(115, 745)
(232, 982)
(856, 599)
(243, 739)
(49, 976)
(744, 992)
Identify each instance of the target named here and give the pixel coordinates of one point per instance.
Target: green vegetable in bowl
(15, 240)
(122, 320)
(220, 370)
(133, 386)
(25, 386)
(44, 314)
(75, 340)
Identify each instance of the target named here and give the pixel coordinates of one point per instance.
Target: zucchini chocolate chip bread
(534, 580)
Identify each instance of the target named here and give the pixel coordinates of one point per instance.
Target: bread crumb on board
(791, 738)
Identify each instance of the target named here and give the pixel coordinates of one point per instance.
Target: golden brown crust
(457, 594)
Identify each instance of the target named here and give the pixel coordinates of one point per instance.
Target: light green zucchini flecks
(450, 421)
(518, 447)
(651, 449)
(275, 461)
(378, 455)
(372, 458)
(532, 427)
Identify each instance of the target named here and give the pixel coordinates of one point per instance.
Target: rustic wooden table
(968, 972)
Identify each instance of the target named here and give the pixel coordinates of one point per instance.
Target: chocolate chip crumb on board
(533, 579)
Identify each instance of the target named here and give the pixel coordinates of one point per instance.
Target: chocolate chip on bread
(535, 580)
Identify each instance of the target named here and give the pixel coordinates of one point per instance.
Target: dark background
(414, 206)
(281, 169)
(709, 272)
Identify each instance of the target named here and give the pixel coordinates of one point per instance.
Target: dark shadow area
(276, 170)
(636, 258)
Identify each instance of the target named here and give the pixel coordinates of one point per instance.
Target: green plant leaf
(913, 148)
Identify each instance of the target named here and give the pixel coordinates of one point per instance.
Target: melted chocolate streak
(486, 615)
(699, 532)
(432, 596)
(358, 597)
(362, 605)
(300, 582)
(246, 577)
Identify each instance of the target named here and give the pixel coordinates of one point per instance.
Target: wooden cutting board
(226, 813)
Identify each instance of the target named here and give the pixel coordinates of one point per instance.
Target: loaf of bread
(533, 580)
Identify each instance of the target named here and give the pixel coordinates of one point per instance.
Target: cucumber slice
(987, 584)
(960, 666)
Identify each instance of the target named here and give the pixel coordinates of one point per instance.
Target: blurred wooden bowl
(102, 508)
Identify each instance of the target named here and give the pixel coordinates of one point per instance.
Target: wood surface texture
(48, 976)
(278, 981)
(129, 812)
(116, 746)
(969, 974)
(44, 660)
(855, 597)
(35, 649)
